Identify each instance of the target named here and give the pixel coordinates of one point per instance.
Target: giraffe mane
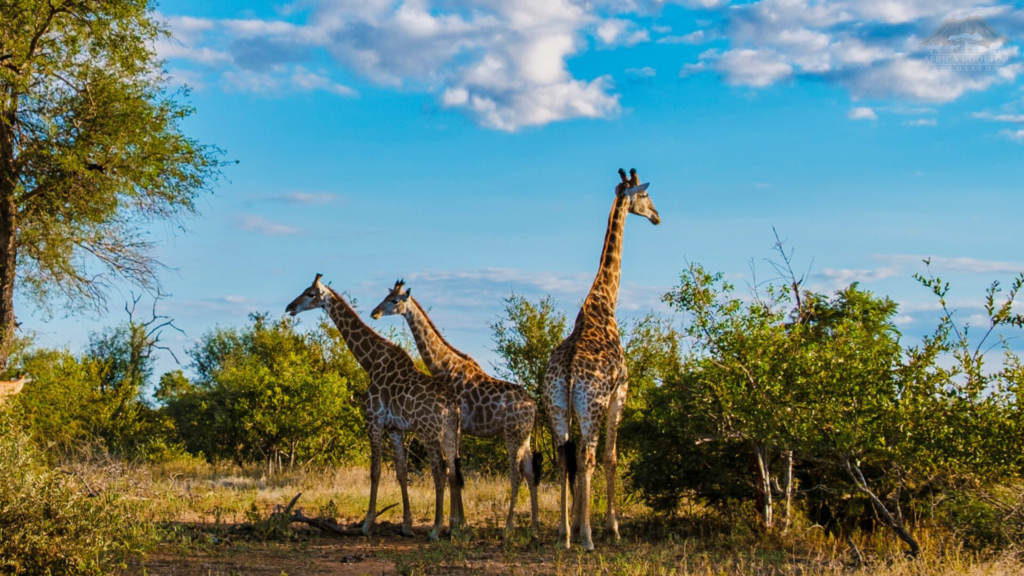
(440, 336)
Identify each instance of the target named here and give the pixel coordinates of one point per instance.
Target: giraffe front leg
(559, 417)
(376, 449)
(589, 432)
(611, 457)
(437, 468)
(516, 458)
(402, 471)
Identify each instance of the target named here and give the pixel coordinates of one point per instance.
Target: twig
(857, 556)
(89, 491)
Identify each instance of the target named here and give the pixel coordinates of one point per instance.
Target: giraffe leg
(450, 451)
(558, 415)
(516, 458)
(437, 468)
(376, 449)
(590, 432)
(402, 471)
(577, 502)
(532, 476)
(611, 456)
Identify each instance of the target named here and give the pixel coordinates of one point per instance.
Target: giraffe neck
(605, 291)
(366, 345)
(440, 356)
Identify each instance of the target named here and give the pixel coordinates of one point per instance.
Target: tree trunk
(763, 485)
(895, 523)
(8, 232)
(788, 487)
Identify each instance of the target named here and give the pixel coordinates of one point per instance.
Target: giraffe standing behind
(586, 374)
(10, 388)
(400, 399)
(489, 407)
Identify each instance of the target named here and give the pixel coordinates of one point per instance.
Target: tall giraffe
(586, 373)
(489, 407)
(400, 399)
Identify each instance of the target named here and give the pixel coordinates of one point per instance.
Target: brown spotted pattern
(586, 375)
(400, 399)
(489, 407)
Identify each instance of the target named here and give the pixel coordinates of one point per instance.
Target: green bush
(270, 394)
(48, 525)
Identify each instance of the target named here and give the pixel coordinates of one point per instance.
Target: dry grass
(197, 503)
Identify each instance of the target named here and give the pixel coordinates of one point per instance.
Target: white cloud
(757, 68)
(1012, 118)
(1015, 135)
(871, 47)
(306, 198)
(922, 122)
(947, 264)
(842, 277)
(697, 37)
(308, 81)
(645, 72)
(504, 63)
(263, 227)
(511, 278)
(862, 113)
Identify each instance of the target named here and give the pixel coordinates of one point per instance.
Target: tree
(269, 394)
(91, 152)
(525, 339)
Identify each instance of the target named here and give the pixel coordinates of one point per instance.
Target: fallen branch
(88, 489)
(897, 526)
(283, 516)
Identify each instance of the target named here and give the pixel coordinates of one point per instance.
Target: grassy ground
(196, 509)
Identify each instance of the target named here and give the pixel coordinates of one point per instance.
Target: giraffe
(9, 388)
(586, 373)
(489, 407)
(400, 398)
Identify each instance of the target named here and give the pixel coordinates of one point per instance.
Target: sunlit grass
(195, 495)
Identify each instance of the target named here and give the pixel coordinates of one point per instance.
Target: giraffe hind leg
(402, 472)
(611, 458)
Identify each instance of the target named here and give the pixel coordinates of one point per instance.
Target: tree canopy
(92, 152)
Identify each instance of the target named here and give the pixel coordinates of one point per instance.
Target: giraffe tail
(570, 462)
(458, 473)
(538, 467)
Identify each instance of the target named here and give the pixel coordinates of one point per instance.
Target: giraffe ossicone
(586, 376)
(489, 407)
(399, 399)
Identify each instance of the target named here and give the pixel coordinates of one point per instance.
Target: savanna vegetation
(771, 430)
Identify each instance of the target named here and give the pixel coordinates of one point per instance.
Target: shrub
(267, 393)
(48, 525)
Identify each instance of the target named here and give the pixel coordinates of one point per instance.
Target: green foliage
(267, 393)
(100, 152)
(524, 339)
(48, 525)
(874, 428)
(96, 398)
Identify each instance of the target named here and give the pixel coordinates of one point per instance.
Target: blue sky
(470, 147)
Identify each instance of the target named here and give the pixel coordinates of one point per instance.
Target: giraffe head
(311, 298)
(639, 201)
(396, 302)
